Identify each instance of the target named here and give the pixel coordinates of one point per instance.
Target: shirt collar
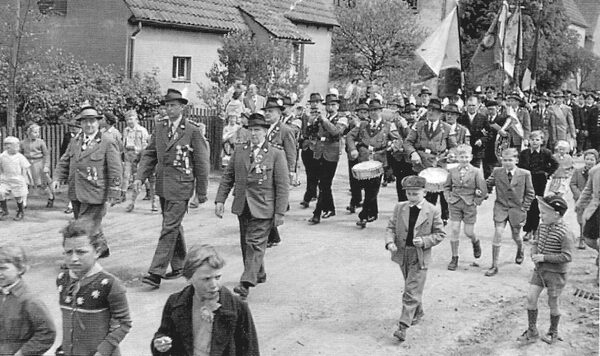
(512, 171)
(535, 150)
(96, 268)
(14, 288)
(418, 205)
(176, 122)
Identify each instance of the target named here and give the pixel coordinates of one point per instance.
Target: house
(590, 9)
(179, 39)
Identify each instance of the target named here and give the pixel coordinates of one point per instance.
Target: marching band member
(308, 140)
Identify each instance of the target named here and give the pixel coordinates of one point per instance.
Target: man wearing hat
(514, 101)
(280, 135)
(414, 228)
(462, 134)
(400, 162)
(371, 137)
(495, 123)
(179, 154)
(258, 174)
(331, 128)
(425, 96)
(562, 126)
(362, 115)
(308, 141)
(92, 168)
(252, 101)
(428, 144)
(590, 116)
(539, 115)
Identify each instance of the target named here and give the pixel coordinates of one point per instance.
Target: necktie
(86, 142)
(430, 129)
(253, 154)
(510, 176)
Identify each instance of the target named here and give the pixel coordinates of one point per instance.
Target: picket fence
(54, 134)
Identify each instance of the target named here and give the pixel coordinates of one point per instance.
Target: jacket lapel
(92, 147)
(423, 215)
(182, 317)
(223, 324)
(404, 213)
(246, 152)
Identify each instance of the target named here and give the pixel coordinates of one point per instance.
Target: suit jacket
(309, 131)
(263, 184)
(479, 129)
(462, 135)
(429, 227)
(418, 140)
(590, 119)
(561, 122)
(523, 116)
(282, 136)
(548, 164)
(260, 103)
(180, 160)
(589, 200)
(456, 188)
(362, 137)
(518, 193)
(233, 331)
(93, 174)
(328, 137)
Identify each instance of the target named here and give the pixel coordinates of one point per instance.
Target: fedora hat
(435, 104)
(257, 119)
(331, 98)
(410, 108)
(362, 106)
(451, 109)
(375, 104)
(315, 97)
(489, 103)
(274, 103)
(425, 90)
(514, 95)
(174, 95)
(287, 101)
(558, 94)
(88, 112)
(543, 97)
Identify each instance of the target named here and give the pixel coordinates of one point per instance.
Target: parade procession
(355, 177)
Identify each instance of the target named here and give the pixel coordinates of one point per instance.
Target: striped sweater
(555, 243)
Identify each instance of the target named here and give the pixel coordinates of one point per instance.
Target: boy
(551, 252)
(13, 176)
(514, 194)
(465, 189)
(95, 315)
(540, 163)
(413, 229)
(25, 324)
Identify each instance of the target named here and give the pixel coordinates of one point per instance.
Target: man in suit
(252, 101)
(327, 154)
(429, 142)
(539, 116)
(92, 167)
(258, 173)
(462, 134)
(495, 121)
(514, 101)
(400, 161)
(478, 127)
(562, 126)
(591, 122)
(308, 141)
(180, 155)
(414, 228)
(280, 135)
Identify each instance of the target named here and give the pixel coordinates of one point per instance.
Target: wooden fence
(53, 134)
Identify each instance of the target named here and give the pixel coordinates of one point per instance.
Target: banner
(488, 55)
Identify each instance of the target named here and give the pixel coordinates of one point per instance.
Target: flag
(528, 83)
(488, 55)
(513, 43)
(441, 50)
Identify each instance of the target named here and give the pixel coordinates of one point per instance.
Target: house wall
(596, 40)
(317, 58)
(95, 31)
(155, 48)
(581, 32)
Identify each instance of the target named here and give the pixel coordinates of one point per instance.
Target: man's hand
(503, 133)
(293, 176)
(46, 169)
(478, 143)
(278, 219)
(201, 198)
(537, 258)
(219, 210)
(55, 185)
(392, 247)
(354, 154)
(418, 241)
(162, 344)
(415, 157)
(137, 184)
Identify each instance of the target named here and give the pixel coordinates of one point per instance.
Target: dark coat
(176, 176)
(233, 332)
(328, 137)
(479, 129)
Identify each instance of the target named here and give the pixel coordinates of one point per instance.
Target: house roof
(225, 16)
(274, 21)
(573, 13)
(217, 15)
(590, 9)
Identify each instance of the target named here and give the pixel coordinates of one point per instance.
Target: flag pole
(463, 78)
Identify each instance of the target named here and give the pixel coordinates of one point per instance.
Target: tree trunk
(12, 73)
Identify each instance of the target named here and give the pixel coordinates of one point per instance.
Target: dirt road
(332, 289)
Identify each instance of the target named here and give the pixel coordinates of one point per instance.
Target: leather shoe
(371, 218)
(400, 334)
(241, 290)
(351, 209)
(173, 274)
(19, 216)
(477, 249)
(314, 220)
(152, 280)
(491, 272)
(50, 203)
(418, 318)
(519, 257)
(261, 279)
(328, 214)
(453, 265)
(304, 204)
(362, 223)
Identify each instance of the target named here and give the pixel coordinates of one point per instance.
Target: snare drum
(367, 170)
(435, 177)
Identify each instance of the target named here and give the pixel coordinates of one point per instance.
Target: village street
(331, 289)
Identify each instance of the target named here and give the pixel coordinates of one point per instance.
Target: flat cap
(413, 182)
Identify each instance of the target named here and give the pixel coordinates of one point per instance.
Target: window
(182, 68)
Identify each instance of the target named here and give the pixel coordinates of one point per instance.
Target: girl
(578, 181)
(38, 175)
(562, 176)
(13, 176)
